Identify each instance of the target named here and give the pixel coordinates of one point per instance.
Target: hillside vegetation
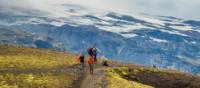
(146, 77)
(22, 67)
(35, 68)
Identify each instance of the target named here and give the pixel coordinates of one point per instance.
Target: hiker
(90, 63)
(94, 50)
(81, 60)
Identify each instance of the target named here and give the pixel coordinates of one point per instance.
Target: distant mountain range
(163, 41)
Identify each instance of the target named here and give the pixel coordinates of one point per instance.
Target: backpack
(82, 58)
(105, 63)
(90, 51)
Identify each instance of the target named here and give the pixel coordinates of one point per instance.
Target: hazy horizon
(178, 8)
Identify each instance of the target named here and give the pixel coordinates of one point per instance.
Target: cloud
(187, 9)
(182, 8)
(14, 3)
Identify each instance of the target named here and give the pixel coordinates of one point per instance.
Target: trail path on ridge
(95, 80)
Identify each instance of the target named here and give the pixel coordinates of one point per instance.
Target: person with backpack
(91, 60)
(81, 60)
(90, 63)
(94, 50)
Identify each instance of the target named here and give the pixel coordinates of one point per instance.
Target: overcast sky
(187, 9)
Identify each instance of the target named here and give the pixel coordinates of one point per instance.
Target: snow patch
(197, 30)
(174, 32)
(158, 40)
(123, 28)
(150, 20)
(193, 42)
(56, 23)
(182, 28)
(129, 35)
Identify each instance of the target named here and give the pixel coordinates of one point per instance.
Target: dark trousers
(95, 58)
(91, 68)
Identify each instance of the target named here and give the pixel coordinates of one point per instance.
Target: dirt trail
(157, 79)
(95, 80)
(88, 80)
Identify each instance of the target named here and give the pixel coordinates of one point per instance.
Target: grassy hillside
(146, 77)
(34, 68)
(22, 67)
(116, 81)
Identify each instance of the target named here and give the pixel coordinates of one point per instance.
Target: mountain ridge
(167, 42)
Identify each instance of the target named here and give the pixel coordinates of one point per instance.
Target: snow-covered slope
(163, 41)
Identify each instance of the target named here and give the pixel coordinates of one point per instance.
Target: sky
(186, 9)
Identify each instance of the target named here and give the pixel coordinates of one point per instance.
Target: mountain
(163, 41)
(10, 35)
